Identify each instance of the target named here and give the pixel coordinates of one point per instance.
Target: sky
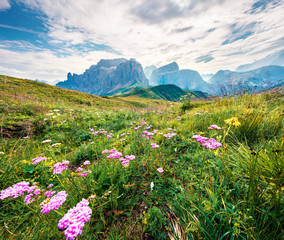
(46, 39)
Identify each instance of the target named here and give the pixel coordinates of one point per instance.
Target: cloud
(239, 31)
(181, 30)
(45, 65)
(4, 5)
(79, 33)
(18, 29)
(157, 11)
(262, 5)
(205, 59)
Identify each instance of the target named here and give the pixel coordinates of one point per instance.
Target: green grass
(235, 192)
(168, 92)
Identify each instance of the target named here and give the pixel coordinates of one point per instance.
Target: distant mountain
(148, 70)
(107, 77)
(206, 77)
(168, 92)
(229, 82)
(185, 79)
(276, 58)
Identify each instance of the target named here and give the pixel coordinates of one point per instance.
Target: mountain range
(276, 58)
(230, 82)
(107, 77)
(119, 76)
(171, 74)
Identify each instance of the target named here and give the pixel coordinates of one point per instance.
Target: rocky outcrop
(185, 79)
(106, 77)
(226, 82)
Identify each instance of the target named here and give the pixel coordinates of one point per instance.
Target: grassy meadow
(175, 188)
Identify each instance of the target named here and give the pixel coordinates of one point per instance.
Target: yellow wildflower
(234, 121)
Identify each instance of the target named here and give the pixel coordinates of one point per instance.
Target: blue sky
(47, 39)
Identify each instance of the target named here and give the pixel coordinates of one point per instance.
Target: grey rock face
(185, 79)
(229, 82)
(148, 70)
(107, 76)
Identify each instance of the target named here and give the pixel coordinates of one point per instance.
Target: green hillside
(22, 101)
(168, 92)
(138, 168)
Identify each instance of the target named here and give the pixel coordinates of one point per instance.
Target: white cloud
(44, 65)
(4, 4)
(121, 24)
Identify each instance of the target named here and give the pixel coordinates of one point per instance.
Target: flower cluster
(169, 135)
(160, 170)
(154, 145)
(49, 194)
(147, 135)
(214, 127)
(15, 191)
(208, 143)
(54, 203)
(114, 154)
(75, 219)
(58, 168)
(87, 163)
(33, 191)
(84, 174)
(125, 161)
(37, 160)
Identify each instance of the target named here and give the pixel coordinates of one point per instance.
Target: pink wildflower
(131, 157)
(105, 151)
(58, 168)
(169, 135)
(37, 160)
(86, 163)
(75, 219)
(160, 170)
(50, 185)
(79, 169)
(116, 154)
(15, 191)
(124, 162)
(214, 127)
(84, 174)
(49, 194)
(212, 144)
(54, 203)
(154, 145)
(28, 199)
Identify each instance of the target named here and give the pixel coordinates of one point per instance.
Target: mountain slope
(106, 77)
(168, 92)
(185, 79)
(25, 105)
(276, 58)
(229, 82)
(148, 70)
